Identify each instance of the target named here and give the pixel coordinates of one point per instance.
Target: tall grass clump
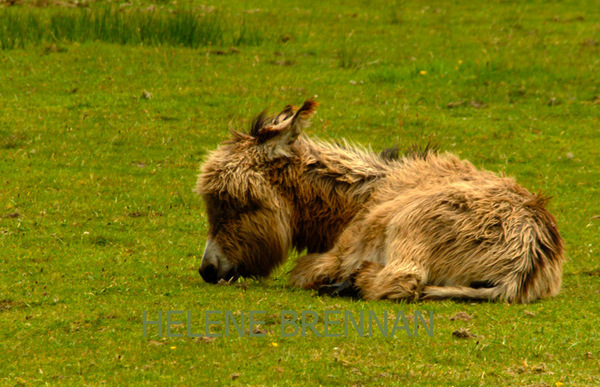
(349, 55)
(18, 30)
(248, 35)
(22, 27)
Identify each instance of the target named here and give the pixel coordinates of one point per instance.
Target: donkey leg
(397, 280)
(463, 293)
(314, 270)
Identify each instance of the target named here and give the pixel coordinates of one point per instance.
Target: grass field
(103, 127)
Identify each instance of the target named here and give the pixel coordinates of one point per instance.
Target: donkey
(423, 225)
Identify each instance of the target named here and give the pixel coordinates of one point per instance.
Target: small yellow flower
(173, 347)
(423, 72)
(275, 344)
(559, 384)
(459, 61)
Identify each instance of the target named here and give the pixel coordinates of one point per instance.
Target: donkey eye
(241, 210)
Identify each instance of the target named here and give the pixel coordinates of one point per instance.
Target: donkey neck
(331, 185)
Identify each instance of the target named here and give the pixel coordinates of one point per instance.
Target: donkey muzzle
(215, 266)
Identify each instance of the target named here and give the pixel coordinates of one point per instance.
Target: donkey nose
(209, 274)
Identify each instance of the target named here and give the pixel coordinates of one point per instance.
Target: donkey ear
(287, 126)
(301, 119)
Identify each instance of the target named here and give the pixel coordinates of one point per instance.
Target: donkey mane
(413, 152)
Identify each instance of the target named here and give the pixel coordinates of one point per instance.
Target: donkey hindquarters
(477, 240)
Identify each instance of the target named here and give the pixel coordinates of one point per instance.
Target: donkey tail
(461, 293)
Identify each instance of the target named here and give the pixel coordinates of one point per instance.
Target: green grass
(98, 221)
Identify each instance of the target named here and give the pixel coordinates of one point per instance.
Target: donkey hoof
(339, 289)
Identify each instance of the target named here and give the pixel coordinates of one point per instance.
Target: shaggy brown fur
(423, 225)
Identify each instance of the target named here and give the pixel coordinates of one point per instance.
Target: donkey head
(250, 229)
